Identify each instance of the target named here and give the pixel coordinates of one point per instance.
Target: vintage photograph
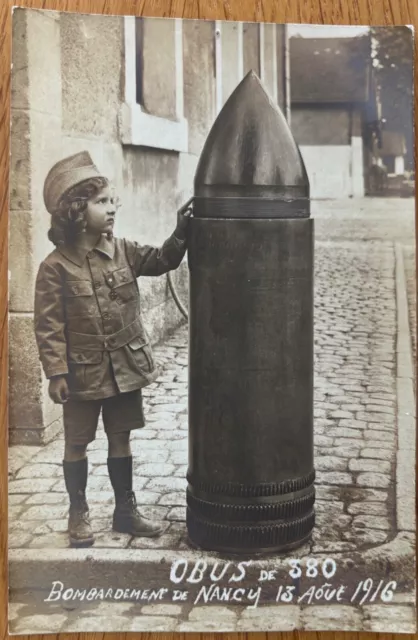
(212, 319)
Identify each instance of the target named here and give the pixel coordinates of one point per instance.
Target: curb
(405, 456)
(150, 568)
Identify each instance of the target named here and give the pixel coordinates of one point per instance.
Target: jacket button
(97, 284)
(106, 316)
(113, 295)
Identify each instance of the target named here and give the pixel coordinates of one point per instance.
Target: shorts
(120, 413)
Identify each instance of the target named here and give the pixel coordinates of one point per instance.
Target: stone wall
(73, 75)
(36, 144)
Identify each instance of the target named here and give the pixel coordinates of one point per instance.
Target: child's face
(100, 212)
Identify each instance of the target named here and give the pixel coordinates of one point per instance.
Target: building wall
(199, 81)
(232, 47)
(74, 87)
(36, 141)
(268, 60)
(328, 170)
(321, 126)
(331, 145)
(282, 60)
(395, 165)
(399, 165)
(251, 46)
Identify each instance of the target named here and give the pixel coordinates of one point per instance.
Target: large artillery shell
(251, 467)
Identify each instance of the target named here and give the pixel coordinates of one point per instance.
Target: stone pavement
(364, 438)
(127, 617)
(409, 260)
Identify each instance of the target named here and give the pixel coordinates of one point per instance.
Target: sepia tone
(377, 13)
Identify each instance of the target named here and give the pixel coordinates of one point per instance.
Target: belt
(97, 342)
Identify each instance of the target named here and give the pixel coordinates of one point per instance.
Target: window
(156, 66)
(152, 112)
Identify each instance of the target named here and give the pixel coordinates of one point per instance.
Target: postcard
(212, 326)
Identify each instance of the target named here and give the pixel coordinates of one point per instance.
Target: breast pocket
(122, 284)
(79, 298)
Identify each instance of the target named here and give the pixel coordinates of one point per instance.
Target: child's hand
(183, 216)
(58, 389)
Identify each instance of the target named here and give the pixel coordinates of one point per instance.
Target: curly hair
(68, 221)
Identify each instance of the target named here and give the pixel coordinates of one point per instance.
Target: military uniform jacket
(88, 315)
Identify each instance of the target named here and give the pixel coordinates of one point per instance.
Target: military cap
(65, 174)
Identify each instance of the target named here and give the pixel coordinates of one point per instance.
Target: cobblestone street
(364, 440)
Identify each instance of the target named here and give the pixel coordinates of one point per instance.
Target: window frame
(137, 127)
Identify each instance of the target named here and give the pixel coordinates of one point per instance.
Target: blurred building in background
(393, 152)
(335, 112)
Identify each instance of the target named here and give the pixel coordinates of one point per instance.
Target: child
(92, 344)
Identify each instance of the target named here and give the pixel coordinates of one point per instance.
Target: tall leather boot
(126, 517)
(79, 527)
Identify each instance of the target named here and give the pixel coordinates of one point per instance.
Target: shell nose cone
(251, 144)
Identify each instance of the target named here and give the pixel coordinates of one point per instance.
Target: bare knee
(119, 445)
(74, 452)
